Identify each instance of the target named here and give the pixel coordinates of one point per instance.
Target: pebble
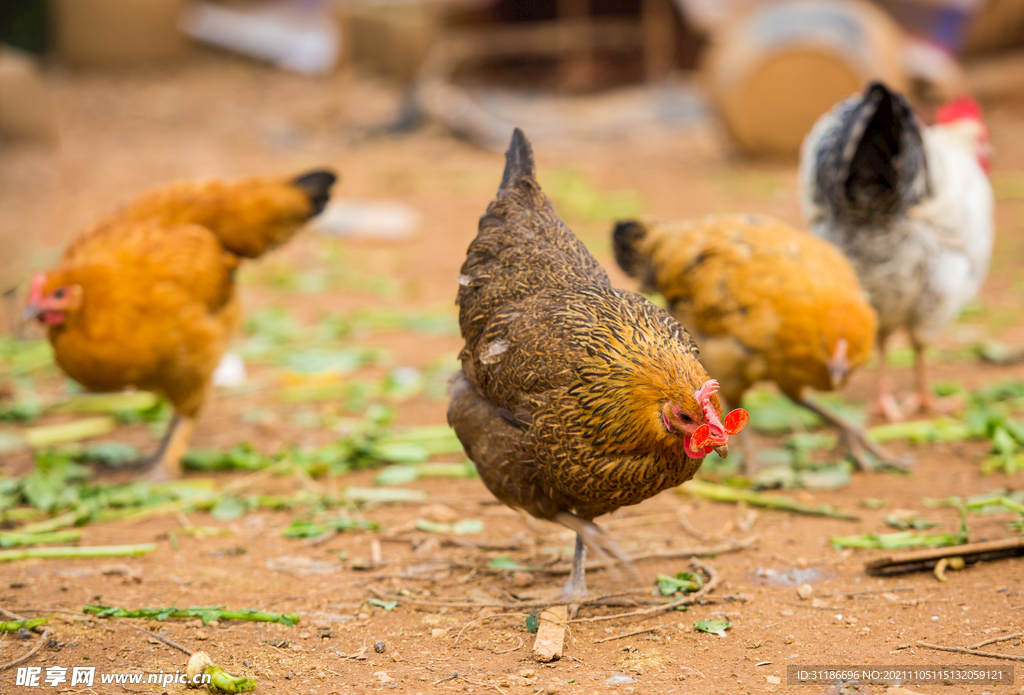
(774, 680)
(522, 579)
(805, 591)
(438, 632)
(383, 677)
(380, 647)
(528, 673)
(550, 689)
(201, 635)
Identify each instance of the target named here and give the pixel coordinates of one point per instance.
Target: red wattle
(700, 437)
(736, 421)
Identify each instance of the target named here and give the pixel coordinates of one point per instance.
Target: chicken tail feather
(881, 162)
(519, 162)
(626, 239)
(317, 185)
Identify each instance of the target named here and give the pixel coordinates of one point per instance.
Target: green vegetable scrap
(724, 493)
(714, 627)
(533, 622)
(683, 582)
(204, 613)
(892, 541)
(68, 552)
(11, 539)
(386, 605)
(505, 563)
(464, 527)
(220, 680)
(309, 529)
(384, 495)
(909, 521)
(16, 625)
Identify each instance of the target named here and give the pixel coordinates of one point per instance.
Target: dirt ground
(218, 116)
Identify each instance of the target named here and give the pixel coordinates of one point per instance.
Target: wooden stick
(550, 634)
(168, 642)
(869, 591)
(979, 645)
(966, 650)
(634, 632)
(43, 639)
(925, 560)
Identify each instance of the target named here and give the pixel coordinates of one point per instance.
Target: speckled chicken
(910, 206)
(764, 301)
(146, 296)
(574, 399)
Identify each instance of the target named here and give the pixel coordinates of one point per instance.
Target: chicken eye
(685, 418)
(59, 293)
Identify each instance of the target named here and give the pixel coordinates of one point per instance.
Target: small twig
(1004, 638)
(480, 620)
(43, 639)
(966, 650)
(687, 525)
(536, 603)
(630, 634)
(168, 642)
(515, 649)
(449, 678)
(713, 580)
(869, 591)
(687, 668)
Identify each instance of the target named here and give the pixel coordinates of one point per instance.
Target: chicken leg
(885, 401)
(576, 588)
(856, 440)
(925, 400)
(165, 464)
(588, 533)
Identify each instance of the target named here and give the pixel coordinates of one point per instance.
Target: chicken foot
(588, 533)
(885, 401)
(855, 439)
(924, 400)
(165, 464)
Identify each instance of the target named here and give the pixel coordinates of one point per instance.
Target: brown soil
(218, 116)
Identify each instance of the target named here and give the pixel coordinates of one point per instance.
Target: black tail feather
(519, 162)
(317, 185)
(883, 153)
(625, 237)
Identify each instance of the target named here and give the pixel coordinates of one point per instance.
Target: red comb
(700, 438)
(961, 108)
(36, 291)
(735, 421)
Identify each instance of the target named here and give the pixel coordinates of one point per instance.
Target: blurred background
(671, 107)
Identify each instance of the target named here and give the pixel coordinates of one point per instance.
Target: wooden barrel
(776, 69)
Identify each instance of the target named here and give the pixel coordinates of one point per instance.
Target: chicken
(910, 206)
(574, 399)
(764, 301)
(146, 297)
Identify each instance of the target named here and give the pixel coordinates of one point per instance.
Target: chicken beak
(31, 312)
(722, 451)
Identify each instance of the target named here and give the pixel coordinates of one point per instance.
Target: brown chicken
(146, 297)
(765, 302)
(574, 398)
